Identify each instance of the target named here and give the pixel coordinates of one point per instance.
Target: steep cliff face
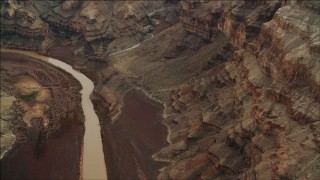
(239, 80)
(16, 19)
(239, 20)
(98, 20)
(97, 28)
(258, 117)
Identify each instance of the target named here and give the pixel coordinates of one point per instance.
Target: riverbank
(42, 151)
(130, 142)
(92, 162)
(118, 145)
(123, 141)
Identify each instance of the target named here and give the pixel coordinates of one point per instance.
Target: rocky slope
(96, 28)
(7, 114)
(239, 80)
(258, 117)
(248, 112)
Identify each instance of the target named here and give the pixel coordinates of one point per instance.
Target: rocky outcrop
(99, 26)
(239, 80)
(256, 118)
(20, 23)
(239, 20)
(15, 18)
(7, 114)
(104, 25)
(196, 18)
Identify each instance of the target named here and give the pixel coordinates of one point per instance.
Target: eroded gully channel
(93, 165)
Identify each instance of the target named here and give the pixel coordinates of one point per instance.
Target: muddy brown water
(134, 138)
(128, 144)
(58, 159)
(93, 165)
(93, 159)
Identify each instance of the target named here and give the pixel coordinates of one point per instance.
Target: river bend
(93, 158)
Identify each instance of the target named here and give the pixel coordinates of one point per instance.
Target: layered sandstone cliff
(239, 80)
(255, 116)
(250, 115)
(258, 117)
(97, 28)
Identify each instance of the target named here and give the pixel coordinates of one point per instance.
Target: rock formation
(250, 111)
(258, 117)
(101, 25)
(239, 80)
(7, 114)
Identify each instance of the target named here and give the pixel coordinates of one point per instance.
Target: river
(93, 158)
(131, 141)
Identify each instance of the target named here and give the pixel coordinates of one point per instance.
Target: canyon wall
(96, 28)
(239, 80)
(257, 117)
